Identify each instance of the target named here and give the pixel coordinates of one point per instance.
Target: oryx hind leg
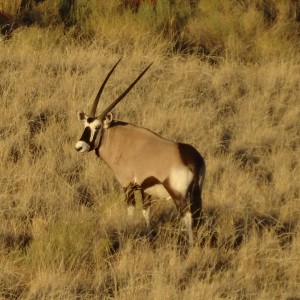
(186, 216)
(180, 200)
(130, 199)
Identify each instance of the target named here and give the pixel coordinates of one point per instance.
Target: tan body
(139, 156)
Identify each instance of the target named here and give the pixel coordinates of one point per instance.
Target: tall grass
(64, 231)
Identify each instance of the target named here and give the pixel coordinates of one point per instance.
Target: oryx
(141, 159)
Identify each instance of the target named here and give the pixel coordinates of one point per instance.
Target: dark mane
(118, 123)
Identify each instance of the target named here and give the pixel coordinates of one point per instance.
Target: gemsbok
(141, 159)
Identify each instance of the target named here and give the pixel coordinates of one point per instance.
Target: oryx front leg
(130, 199)
(146, 212)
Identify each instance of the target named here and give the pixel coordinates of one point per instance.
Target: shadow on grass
(168, 228)
(244, 227)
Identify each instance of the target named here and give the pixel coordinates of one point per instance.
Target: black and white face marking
(90, 138)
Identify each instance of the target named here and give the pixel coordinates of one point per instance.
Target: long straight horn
(109, 108)
(96, 101)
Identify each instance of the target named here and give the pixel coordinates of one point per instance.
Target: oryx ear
(107, 120)
(81, 115)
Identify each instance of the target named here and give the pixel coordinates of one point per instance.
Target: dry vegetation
(226, 79)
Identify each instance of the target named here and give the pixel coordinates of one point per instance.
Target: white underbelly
(158, 191)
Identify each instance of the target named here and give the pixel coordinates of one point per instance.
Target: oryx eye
(98, 127)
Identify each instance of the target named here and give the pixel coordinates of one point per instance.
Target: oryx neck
(101, 142)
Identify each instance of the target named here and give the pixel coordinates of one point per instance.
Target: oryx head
(94, 125)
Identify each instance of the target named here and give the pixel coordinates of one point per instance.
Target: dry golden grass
(64, 232)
